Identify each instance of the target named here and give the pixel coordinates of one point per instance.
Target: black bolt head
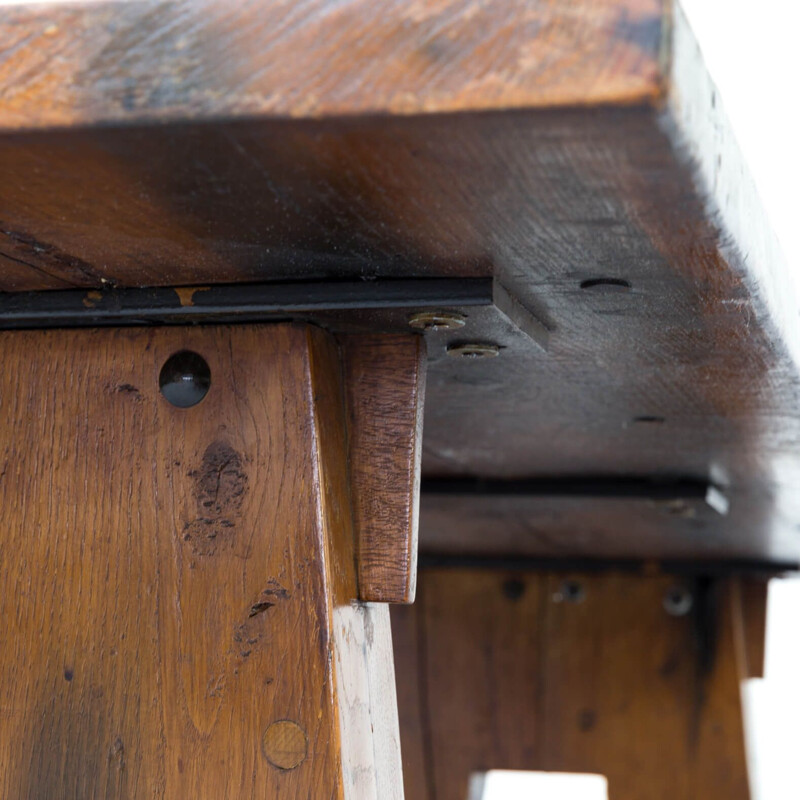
(185, 379)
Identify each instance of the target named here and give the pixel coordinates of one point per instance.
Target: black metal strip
(510, 563)
(234, 302)
(646, 488)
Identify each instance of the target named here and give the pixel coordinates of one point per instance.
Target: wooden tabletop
(575, 151)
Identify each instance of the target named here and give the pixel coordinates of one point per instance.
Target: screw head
(677, 507)
(473, 350)
(678, 601)
(437, 321)
(184, 379)
(570, 591)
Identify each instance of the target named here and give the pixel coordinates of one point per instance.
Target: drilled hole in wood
(185, 379)
(606, 284)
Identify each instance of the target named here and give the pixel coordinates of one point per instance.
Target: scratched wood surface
(177, 581)
(385, 383)
(554, 145)
(497, 670)
(88, 62)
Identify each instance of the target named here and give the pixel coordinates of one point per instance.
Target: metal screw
(473, 350)
(570, 592)
(437, 321)
(185, 379)
(678, 601)
(678, 507)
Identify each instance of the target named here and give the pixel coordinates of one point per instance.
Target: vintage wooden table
(234, 238)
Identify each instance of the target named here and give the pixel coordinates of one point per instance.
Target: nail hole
(185, 379)
(606, 284)
(513, 589)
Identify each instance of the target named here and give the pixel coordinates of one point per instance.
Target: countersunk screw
(570, 592)
(678, 601)
(473, 350)
(437, 321)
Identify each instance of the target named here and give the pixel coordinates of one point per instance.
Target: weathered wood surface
(89, 62)
(600, 151)
(385, 385)
(497, 670)
(177, 582)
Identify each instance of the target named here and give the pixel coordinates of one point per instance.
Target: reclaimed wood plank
(519, 671)
(87, 62)
(179, 582)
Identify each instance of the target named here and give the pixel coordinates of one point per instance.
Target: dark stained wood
(512, 675)
(548, 144)
(594, 193)
(88, 62)
(178, 583)
(385, 382)
(750, 607)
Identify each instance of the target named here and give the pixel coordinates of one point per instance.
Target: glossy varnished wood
(178, 583)
(498, 670)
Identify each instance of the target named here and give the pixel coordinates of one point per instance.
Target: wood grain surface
(385, 384)
(177, 581)
(89, 62)
(497, 670)
(684, 374)
(685, 365)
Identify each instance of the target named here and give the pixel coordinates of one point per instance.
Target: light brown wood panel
(385, 382)
(89, 62)
(512, 674)
(177, 582)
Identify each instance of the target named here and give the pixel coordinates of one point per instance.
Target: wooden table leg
(630, 676)
(179, 583)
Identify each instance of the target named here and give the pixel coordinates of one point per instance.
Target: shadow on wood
(595, 673)
(179, 582)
